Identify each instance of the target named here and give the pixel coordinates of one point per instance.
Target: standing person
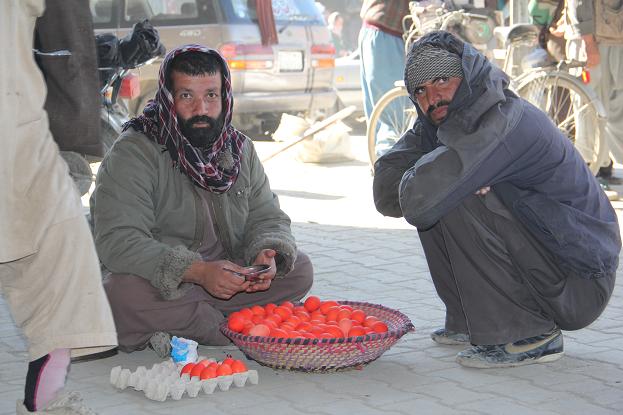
(520, 239)
(49, 272)
(180, 200)
(382, 56)
(599, 25)
(335, 25)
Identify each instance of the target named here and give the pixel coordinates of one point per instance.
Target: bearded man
(181, 199)
(520, 239)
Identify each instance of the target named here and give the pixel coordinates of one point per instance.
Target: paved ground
(359, 255)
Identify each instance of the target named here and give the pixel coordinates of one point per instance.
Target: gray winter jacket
(149, 218)
(493, 138)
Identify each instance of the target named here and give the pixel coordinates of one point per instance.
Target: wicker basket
(324, 355)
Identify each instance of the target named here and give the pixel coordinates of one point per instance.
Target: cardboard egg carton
(163, 380)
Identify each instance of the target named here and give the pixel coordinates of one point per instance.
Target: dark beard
(201, 137)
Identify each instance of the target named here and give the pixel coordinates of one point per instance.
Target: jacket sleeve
(122, 208)
(267, 227)
(440, 180)
(390, 167)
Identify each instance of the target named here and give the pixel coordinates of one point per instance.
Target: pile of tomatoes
(315, 319)
(208, 369)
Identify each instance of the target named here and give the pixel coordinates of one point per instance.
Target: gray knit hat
(429, 62)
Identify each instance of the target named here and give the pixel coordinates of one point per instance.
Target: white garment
(49, 272)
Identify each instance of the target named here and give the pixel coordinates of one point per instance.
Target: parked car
(295, 75)
(348, 82)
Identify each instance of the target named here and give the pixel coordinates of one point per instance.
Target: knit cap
(428, 62)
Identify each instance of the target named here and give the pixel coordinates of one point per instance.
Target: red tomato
(325, 306)
(236, 322)
(208, 373)
(247, 312)
(288, 304)
(187, 368)
(356, 331)
(238, 366)
(312, 303)
(270, 307)
(379, 327)
(224, 370)
(358, 315)
(259, 330)
(258, 310)
(369, 321)
(283, 312)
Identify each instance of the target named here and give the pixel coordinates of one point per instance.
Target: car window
(285, 11)
(102, 12)
(170, 12)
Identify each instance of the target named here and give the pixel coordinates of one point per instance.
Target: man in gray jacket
(181, 199)
(520, 239)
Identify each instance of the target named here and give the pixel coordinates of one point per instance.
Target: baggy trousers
(497, 281)
(139, 309)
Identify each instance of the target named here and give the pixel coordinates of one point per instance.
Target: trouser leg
(509, 286)
(441, 271)
(140, 311)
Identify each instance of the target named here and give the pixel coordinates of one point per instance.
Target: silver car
(294, 75)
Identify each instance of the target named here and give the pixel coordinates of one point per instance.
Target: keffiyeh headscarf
(215, 168)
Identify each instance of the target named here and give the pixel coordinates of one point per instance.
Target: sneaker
(66, 404)
(448, 337)
(544, 348)
(160, 342)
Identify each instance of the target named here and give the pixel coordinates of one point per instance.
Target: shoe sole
(95, 356)
(446, 341)
(479, 364)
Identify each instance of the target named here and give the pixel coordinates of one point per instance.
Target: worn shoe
(160, 342)
(544, 348)
(67, 404)
(448, 337)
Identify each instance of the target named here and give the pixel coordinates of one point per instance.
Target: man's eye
(442, 80)
(418, 91)
(212, 95)
(185, 95)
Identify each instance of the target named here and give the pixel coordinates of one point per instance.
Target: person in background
(594, 31)
(181, 203)
(49, 271)
(520, 239)
(335, 25)
(381, 48)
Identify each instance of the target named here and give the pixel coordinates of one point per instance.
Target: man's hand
(265, 257)
(483, 191)
(215, 280)
(592, 51)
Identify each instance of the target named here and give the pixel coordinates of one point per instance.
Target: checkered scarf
(215, 168)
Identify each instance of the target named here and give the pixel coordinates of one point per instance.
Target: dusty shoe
(160, 342)
(66, 404)
(544, 348)
(448, 337)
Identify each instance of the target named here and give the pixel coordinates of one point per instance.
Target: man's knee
(303, 270)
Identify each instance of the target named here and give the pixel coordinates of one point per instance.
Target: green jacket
(149, 218)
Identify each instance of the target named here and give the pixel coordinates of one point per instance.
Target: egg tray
(163, 380)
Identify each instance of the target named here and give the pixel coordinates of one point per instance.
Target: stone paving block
(502, 405)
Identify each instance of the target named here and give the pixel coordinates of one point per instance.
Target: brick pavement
(359, 255)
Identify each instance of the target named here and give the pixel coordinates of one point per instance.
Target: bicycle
(572, 106)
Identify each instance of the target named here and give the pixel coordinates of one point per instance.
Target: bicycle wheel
(573, 107)
(393, 114)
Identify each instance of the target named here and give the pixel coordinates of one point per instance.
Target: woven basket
(324, 355)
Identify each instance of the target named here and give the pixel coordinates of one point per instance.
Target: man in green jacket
(180, 200)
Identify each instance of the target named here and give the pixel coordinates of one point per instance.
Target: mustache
(435, 106)
(201, 119)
